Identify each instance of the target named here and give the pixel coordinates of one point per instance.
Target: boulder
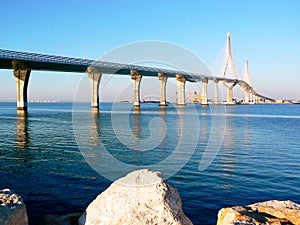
(269, 212)
(12, 209)
(281, 209)
(141, 197)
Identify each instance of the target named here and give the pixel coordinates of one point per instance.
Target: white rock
(141, 197)
(12, 209)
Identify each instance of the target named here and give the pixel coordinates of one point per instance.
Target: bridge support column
(22, 79)
(95, 77)
(181, 90)
(204, 92)
(256, 99)
(229, 95)
(250, 96)
(136, 77)
(163, 81)
(229, 92)
(216, 91)
(247, 93)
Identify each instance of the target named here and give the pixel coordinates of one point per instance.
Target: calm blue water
(259, 158)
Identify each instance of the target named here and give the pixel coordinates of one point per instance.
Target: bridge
(22, 63)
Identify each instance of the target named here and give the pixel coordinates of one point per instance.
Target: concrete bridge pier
(247, 95)
(22, 79)
(250, 96)
(216, 91)
(94, 75)
(163, 81)
(181, 90)
(136, 77)
(229, 95)
(204, 92)
(256, 99)
(229, 92)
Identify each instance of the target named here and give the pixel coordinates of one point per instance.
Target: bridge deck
(33, 61)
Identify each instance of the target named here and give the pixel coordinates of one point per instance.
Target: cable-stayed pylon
(247, 88)
(247, 74)
(229, 59)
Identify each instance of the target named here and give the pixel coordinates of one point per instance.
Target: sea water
(251, 153)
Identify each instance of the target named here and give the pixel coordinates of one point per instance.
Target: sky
(266, 32)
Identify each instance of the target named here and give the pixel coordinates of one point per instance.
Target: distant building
(296, 101)
(193, 96)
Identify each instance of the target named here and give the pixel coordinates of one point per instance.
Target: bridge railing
(42, 58)
(14, 55)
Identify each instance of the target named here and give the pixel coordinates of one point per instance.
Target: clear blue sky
(267, 32)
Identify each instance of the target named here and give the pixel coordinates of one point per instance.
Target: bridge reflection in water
(22, 136)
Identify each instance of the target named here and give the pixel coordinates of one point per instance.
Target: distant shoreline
(288, 102)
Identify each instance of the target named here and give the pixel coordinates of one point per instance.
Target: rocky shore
(269, 212)
(12, 209)
(143, 197)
